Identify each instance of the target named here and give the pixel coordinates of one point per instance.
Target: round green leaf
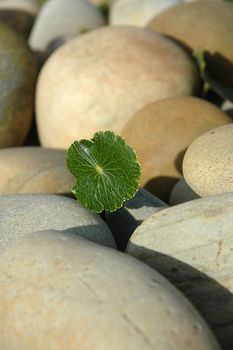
(106, 169)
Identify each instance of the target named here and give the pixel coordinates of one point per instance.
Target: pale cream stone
(59, 291)
(100, 79)
(208, 162)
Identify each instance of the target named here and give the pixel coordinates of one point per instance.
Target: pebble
(137, 12)
(19, 20)
(63, 292)
(34, 170)
(31, 6)
(59, 18)
(191, 244)
(100, 79)
(125, 220)
(208, 162)
(21, 214)
(17, 81)
(161, 132)
(202, 25)
(181, 193)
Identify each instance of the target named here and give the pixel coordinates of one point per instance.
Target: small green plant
(106, 169)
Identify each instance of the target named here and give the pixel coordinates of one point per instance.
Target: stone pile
(156, 273)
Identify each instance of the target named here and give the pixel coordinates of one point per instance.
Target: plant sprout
(106, 169)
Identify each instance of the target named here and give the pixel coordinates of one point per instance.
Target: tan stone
(34, 170)
(31, 6)
(100, 79)
(59, 291)
(191, 244)
(161, 133)
(208, 162)
(181, 193)
(17, 81)
(206, 25)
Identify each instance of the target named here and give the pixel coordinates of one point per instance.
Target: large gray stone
(192, 244)
(60, 291)
(21, 214)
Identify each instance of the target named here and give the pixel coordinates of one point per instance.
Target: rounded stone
(191, 244)
(161, 132)
(34, 170)
(205, 25)
(137, 12)
(19, 20)
(59, 18)
(59, 291)
(100, 79)
(181, 193)
(23, 213)
(17, 80)
(208, 162)
(31, 6)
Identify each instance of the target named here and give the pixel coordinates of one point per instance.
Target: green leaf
(106, 169)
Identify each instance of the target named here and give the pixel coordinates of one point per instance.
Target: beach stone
(191, 244)
(125, 220)
(31, 6)
(161, 132)
(17, 81)
(208, 162)
(20, 21)
(58, 18)
(137, 12)
(34, 170)
(59, 291)
(181, 193)
(100, 79)
(21, 214)
(205, 25)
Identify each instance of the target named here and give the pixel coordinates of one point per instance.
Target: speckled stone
(206, 25)
(125, 220)
(191, 244)
(161, 132)
(181, 193)
(60, 291)
(17, 80)
(59, 18)
(104, 77)
(34, 170)
(208, 162)
(21, 214)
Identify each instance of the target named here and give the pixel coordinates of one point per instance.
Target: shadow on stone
(161, 186)
(213, 301)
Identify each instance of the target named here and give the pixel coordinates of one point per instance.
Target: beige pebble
(100, 79)
(208, 162)
(161, 132)
(202, 25)
(34, 170)
(59, 291)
